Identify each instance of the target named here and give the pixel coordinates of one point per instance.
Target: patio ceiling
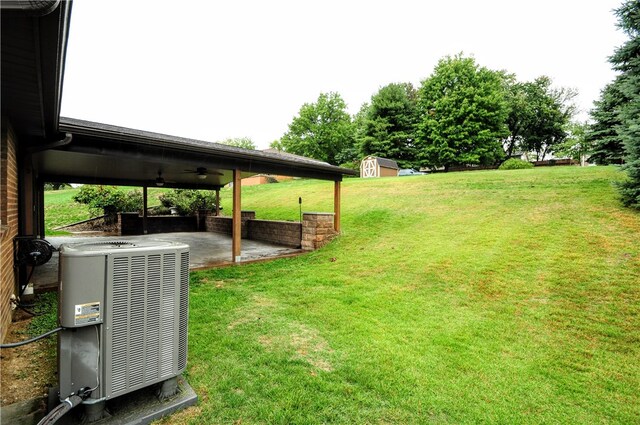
(106, 154)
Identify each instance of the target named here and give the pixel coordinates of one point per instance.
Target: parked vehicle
(409, 172)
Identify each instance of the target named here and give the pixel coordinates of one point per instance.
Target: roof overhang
(34, 39)
(105, 154)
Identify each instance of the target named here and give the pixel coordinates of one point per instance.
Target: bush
(108, 200)
(188, 201)
(515, 164)
(56, 186)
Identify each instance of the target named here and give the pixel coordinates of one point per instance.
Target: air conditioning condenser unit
(124, 307)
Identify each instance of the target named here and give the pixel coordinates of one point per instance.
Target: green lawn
(484, 297)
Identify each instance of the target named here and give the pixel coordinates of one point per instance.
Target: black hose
(29, 341)
(59, 411)
(24, 308)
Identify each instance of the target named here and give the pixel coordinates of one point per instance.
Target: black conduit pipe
(60, 410)
(29, 341)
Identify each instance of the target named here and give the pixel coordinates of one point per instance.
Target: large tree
(626, 60)
(388, 128)
(322, 130)
(538, 116)
(553, 112)
(462, 111)
(608, 147)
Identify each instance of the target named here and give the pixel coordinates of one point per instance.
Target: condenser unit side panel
(143, 320)
(81, 290)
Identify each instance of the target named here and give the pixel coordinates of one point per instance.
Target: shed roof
(384, 162)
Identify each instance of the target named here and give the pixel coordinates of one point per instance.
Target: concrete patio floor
(207, 249)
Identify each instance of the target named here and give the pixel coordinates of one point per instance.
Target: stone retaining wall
(279, 232)
(317, 230)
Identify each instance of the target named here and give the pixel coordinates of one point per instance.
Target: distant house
(264, 179)
(373, 166)
(276, 178)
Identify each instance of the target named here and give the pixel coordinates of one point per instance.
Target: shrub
(515, 164)
(188, 201)
(56, 186)
(108, 200)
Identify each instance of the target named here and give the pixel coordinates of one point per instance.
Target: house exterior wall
(255, 180)
(264, 179)
(8, 221)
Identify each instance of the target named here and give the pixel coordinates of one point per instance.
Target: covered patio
(206, 249)
(94, 153)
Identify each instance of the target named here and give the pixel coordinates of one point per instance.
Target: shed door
(369, 168)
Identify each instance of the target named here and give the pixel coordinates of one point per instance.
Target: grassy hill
(496, 297)
(499, 297)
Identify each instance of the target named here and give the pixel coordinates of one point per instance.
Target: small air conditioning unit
(124, 307)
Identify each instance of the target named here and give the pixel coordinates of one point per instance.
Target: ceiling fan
(202, 172)
(160, 181)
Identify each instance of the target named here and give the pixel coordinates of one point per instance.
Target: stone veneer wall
(220, 224)
(8, 221)
(279, 232)
(317, 230)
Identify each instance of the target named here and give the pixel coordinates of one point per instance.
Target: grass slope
(497, 297)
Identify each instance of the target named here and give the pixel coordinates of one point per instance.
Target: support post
(237, 217)
(144, 210)
(39, 207)
(217, 202)
(336, 206)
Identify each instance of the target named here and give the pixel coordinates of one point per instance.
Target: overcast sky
(211, 70)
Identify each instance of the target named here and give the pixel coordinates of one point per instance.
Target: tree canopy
(608, 147)
(538, 116)
(388, 125)
(322, 130)
(463, 112)
(239, 142)
(626, 60)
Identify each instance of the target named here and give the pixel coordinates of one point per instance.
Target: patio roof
(107, 154)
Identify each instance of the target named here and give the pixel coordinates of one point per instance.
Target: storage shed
(373, 166)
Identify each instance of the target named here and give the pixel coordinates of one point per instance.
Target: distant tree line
(462, 114)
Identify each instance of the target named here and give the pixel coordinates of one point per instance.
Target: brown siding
(8, 221)
(254, 180)
(388, 172)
